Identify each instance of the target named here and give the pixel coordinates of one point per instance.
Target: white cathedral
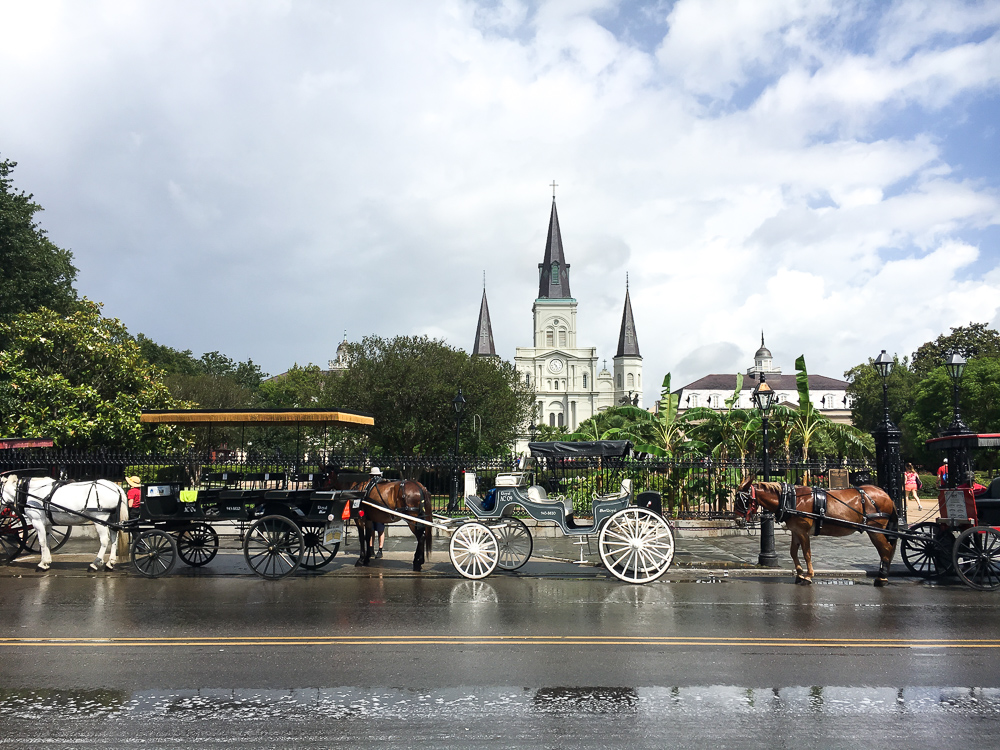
(568, 385)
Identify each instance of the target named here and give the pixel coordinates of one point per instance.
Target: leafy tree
(809, 423)
(664, 433)
(865, 391)
(79, 379)
(719, 428)
(407, 383)
(971, 341)
(36, 273)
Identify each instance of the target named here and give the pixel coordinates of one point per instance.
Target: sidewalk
(732, 555)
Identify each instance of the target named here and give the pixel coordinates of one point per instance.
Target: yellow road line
(665, 641)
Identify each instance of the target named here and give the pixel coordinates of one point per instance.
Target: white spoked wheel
(474, 550)
(515, 543)
(636, 545)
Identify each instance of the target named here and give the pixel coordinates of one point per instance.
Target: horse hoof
(881, 582)
(93, 567)
(358, 564)
(41, 568)
(109, 566)
(805, 581)
(416, 568)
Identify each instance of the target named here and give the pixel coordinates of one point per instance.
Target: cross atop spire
(553, 186)
(553, 271)
(484, 346)
(628, 343)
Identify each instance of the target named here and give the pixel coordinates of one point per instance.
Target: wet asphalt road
(560, 657)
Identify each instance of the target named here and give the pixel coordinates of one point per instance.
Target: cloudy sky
(258, 177)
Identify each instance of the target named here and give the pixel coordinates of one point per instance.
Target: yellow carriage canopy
(272, 417)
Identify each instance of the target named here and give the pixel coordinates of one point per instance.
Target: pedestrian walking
(911, 485)
(943, 474)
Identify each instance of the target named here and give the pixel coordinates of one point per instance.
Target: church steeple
(553, 271)
(628, 343)
(484, 332)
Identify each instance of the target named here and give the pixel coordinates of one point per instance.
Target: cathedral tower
(628, 361)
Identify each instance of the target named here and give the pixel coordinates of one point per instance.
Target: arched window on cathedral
(584, 380)
(527, 378)
(631, 380)
(560, 419)
(550, 337)
(555, 273)
(562, 337)
(620, 380)
(552, 420)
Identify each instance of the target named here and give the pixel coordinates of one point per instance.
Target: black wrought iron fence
(701, 488)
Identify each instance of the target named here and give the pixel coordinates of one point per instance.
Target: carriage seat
(624, 491)
(537, 494)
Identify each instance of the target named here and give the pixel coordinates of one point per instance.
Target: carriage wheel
(58, 536)
(13, 529)
(314, 554)
(198, 545)
(154, 553)
(926, 551)
(636, 545)
(514, 541)
(273, 547)
(977, 558)
(474, 550)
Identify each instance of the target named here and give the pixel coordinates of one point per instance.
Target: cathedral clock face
(555, 365)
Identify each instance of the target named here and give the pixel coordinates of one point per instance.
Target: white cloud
(275, 172)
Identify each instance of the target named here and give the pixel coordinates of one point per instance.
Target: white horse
(49, 503)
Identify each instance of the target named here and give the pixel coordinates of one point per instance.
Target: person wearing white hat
(943, 474)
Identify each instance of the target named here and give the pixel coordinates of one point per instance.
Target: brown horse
(407, 496)
(866, 505)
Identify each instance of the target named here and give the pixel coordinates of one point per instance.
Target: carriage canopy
(602, 448)
(970, 440)
(256, 416)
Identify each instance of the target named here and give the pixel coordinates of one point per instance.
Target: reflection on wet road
(745, 717)
(523, 662)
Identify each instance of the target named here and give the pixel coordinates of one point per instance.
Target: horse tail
(429, 516)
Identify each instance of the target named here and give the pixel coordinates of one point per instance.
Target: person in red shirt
(134, 495)
(943, 474)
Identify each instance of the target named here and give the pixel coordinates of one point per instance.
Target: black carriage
(279, 530)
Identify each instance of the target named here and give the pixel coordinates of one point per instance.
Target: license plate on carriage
(333, 534)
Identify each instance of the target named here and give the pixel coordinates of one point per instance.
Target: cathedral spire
(484, 331)
(553, 271)
(628, 344)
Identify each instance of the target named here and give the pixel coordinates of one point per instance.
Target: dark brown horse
(866, 505)
(406, 496)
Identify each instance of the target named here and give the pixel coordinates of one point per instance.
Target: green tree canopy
(36, 273)
(408, 382)
(920, 393)
(971, 341)
(79, 379)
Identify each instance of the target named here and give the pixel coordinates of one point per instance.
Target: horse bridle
(749, 498)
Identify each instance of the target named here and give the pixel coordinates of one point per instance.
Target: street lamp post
(888, 463)
(458, 403)
(764, 398)
(958, 457)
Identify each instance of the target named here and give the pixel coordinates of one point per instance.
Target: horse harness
(375, 482)
(23, 494)
(788, 500)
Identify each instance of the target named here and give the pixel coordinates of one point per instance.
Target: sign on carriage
(158, 490)
(954, 504)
